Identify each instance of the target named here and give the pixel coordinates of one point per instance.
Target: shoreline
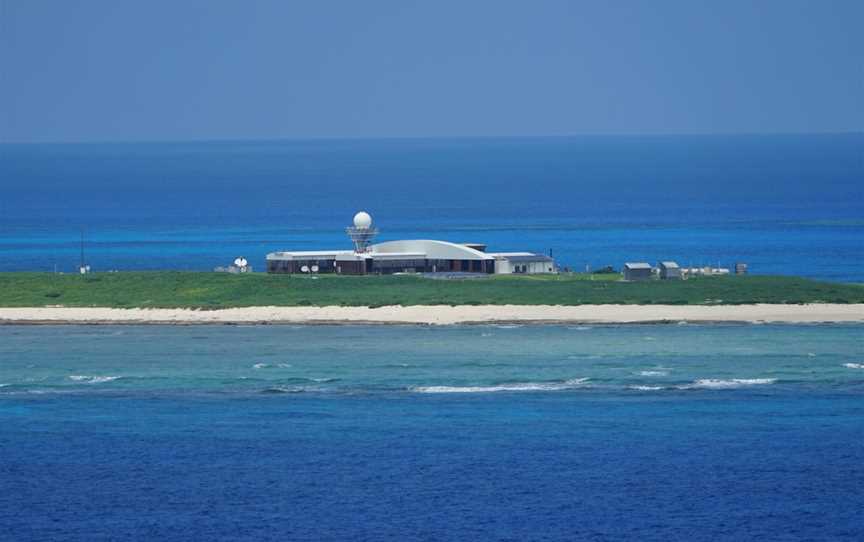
(438, 315)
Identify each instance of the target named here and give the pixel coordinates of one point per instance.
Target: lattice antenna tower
(362, 233)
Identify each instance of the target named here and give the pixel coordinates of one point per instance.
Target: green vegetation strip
(173, 289)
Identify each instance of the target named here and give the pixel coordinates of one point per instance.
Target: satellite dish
(305, 269)
(237, 262)
(362, 220)
(314, 268)
(243, 262)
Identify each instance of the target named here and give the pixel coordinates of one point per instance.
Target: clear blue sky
(114, 70)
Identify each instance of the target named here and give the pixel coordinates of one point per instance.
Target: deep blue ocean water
(783, 204)
(672, 433)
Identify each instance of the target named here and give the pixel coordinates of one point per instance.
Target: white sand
(443, 315)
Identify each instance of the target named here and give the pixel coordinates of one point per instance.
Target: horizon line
(423, 138)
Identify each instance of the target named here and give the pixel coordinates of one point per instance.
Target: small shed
(637, 271)
(523, 262)
(669, 270)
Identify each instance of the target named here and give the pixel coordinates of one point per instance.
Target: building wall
(670, 273)
(351, 267)
(386, 267)
(296, 266)
(637, 274)
(280, 266)
(541, 267)
(504, 266)
(382, 266)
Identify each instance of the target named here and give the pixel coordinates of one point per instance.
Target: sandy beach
(445, 315)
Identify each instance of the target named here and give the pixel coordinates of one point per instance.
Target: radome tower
(362, 232)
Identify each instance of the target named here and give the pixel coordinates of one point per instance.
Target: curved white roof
(434, 250)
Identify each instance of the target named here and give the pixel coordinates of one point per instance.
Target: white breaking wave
(645, 388)
(93, 379)
(854, 365)
(715, 383)
(271, 366)
(653, 373)
(520, 386)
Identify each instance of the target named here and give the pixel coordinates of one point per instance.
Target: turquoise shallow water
(405, 359)
(418, 433)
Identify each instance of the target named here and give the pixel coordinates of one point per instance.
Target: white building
(523, 262)
(408, 256)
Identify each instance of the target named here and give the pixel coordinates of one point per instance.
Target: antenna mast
(83, 268)
(362, 233)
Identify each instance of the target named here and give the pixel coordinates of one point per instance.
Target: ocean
(637, 432)
(668, 433)
(782, 204)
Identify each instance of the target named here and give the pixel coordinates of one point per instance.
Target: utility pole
(83, 267)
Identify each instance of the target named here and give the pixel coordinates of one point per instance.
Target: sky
(109, 70)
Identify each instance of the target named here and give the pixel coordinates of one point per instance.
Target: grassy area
(216, 290)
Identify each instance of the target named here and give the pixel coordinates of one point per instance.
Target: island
(205, 297)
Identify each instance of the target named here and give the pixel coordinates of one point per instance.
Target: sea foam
(653, 373)
(854, 365)
(718, 384)
(271, 366)
(518, 386)
(92, 379)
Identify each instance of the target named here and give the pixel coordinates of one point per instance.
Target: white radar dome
(362, 220)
